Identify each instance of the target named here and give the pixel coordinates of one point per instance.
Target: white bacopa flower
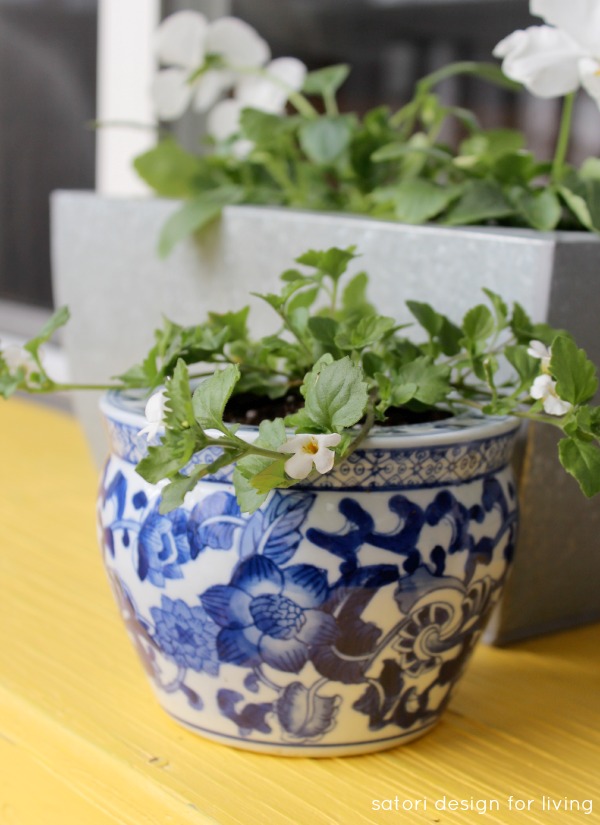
(268, 92)
(538, 350)
(555, 59)
(203, 60)
(18, 358)
(544, 389)
(155, 413)
(309, 450)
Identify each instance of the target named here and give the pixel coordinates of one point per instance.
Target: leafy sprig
(348, 368)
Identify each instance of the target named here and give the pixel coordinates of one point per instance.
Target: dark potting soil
(248, 408)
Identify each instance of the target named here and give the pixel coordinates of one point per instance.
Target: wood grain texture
(82, 739)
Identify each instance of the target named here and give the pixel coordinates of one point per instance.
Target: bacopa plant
(333, 369)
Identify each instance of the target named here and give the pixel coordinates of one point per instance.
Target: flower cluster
(331, 371)
(544, 387)
(206, 60)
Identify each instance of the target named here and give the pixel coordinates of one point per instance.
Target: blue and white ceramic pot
(337, 618)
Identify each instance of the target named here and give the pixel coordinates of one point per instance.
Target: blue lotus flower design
(186, 634)
(271, 615)
(163, 546)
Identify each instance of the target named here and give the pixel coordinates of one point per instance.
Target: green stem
(523, 414)
(69, 387)
(363, 433)
(563, 138)
(301, 104)
(331, 107)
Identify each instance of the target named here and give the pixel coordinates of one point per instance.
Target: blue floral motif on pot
(271, 615)
(163, 546)
(187, 634)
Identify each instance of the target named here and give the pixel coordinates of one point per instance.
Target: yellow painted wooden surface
(83, 741)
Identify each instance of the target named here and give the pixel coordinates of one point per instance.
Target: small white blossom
(538, 350)
(186, 43)
(309, 450)
(544, 389)
(267, 92)
(17, 358)
(155, 413)
(558, 58)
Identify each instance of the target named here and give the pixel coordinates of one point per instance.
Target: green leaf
(365, 333)
(439, 327)
(195, 215)
(173, 494)
(166, 459)
(513, 167)
(416, 201)
(271, 436)
(526, 367)
(336, 396)
(431, 380)
(354, 296)
(58, 319)
(521, 325)
(179, 410)
(541, 209)
(500, 308)
(169, 170)
(303, 298)
(490, 72)
(478, 323)
(325, 81)
(211, 396)
(332, 262)
(8, 385)
(262, 128)
(323, 330)
(233, 324)
(481, 200)
(272, 476)
(577, 205)
(587, 420)
(402, 149)
(403, 393)
(247, 496)
(590, 169)
(324, 139)
(575, 374)
(493, 144)
(592, 199)
(581, 458)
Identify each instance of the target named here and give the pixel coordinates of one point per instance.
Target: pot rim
(127, 407)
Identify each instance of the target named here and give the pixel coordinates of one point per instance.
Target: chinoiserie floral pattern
(321, 612)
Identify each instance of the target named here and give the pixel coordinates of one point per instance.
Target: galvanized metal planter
(106, 268)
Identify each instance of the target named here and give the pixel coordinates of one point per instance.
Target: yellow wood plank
(30, 793)
(79, 724)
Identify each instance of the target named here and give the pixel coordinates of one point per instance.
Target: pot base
(310, 750)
